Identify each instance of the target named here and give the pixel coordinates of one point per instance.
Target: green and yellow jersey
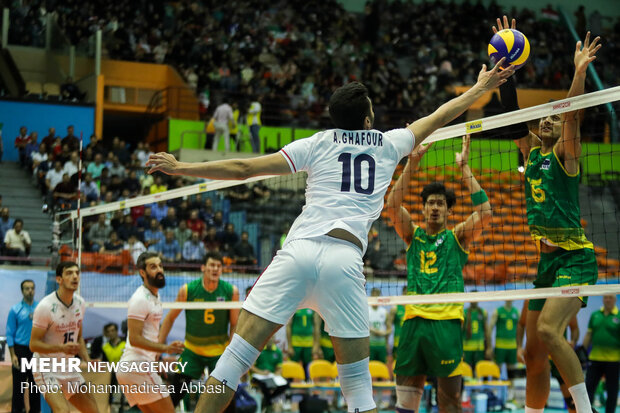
(302, 328)
(506, 328)
(552, 201)
(478, 321)
(435, 265)
(605, 330)
(206, 331)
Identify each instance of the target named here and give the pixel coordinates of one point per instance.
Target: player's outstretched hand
(420, 150)
(463, 157)
(71, 348)
(503, 26)
(586, 55)
(176, 347)
(162, 162)
(490, 79)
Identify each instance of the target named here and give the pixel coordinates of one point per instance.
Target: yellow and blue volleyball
(511, 44)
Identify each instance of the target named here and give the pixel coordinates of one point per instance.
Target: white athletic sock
(580, 397)
(530, 410)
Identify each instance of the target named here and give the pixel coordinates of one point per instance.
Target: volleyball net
(502, 261)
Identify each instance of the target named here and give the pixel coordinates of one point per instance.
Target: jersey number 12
(345, 158)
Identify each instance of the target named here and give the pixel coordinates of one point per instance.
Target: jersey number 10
(345, 158)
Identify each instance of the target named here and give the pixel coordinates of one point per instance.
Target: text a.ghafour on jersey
(358, 137)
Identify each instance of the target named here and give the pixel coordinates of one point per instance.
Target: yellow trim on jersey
(302, 341)
(451, 311)
(568, 244)
(506, 343)
(211, 350)
(326, 342)
(473, 345)
(458, 242)
(562, 165)
(534, 147)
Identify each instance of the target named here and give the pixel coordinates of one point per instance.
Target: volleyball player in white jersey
(143, 318)
(57, 333)
(320, 264)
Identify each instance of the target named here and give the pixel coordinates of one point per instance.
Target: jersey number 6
(345, 158)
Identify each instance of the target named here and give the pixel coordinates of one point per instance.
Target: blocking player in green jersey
(504, 320)
(323, 347)
(300, 336)
(475, 335)
(207, 332)
(431, 337)
(604, 335)
(554, 217)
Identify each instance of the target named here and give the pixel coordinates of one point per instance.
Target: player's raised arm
(569, 144)
(172, 315)
(232, 169)
(487, 80)
(519, 132)
(472, 227)
(398, 214)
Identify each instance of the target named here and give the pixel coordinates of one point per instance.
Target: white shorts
(323, 274)
(144, 388)
(68, 383)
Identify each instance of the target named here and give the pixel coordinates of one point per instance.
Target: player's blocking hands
(503, 26)
(162, 162)
(463, 157)
(176, 347)
(490, 79)
(584, 56)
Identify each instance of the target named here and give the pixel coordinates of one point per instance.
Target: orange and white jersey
(61, 322)
(146, 307)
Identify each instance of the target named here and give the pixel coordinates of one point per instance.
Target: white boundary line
(569, 291)
(488, 123)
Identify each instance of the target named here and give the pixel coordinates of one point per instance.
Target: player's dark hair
(214, 255)
(141, 264)
(349, 106)
(60, 268)
(24, 282)
(437, 188)
(105, 327)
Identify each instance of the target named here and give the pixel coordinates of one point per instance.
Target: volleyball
(511, 44)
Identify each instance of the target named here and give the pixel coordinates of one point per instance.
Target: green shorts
(565, 268)
(473, 357)
(196, 364)
(429, 347)
(378, 353)
(328, 354)
(508, 356)
(303, 354)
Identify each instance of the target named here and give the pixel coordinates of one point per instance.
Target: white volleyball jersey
(61, 322)
(348, 175)
(144, 306)
(377, 318)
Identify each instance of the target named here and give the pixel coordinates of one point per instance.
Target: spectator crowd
(292, 58)
(181, 230)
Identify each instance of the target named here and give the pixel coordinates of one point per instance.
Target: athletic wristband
(479, 197)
